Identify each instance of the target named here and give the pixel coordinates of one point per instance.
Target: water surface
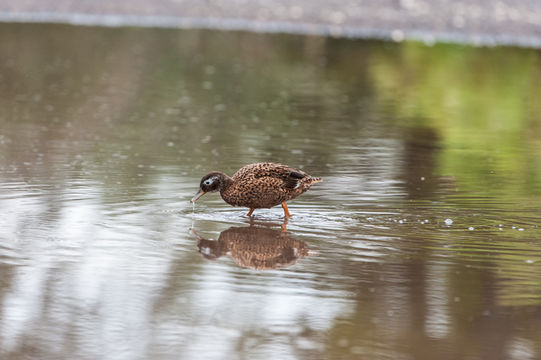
(422, 242)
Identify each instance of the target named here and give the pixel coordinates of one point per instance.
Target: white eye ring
(207, 182)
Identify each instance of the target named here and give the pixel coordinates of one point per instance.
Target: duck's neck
(225, 182)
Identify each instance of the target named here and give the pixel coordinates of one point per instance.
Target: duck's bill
(198, 195)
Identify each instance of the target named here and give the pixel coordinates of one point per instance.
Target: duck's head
(211, 182)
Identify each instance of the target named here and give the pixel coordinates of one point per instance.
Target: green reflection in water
(482, 103)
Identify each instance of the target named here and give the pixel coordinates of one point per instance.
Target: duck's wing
(288, 176)
(291, 177)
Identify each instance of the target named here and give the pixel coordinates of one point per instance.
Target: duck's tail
(311, 181)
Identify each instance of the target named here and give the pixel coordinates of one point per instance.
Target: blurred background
(422, 242)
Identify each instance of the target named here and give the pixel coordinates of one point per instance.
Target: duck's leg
(286, 211)
(250, 212)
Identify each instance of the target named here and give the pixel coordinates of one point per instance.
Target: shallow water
(422, 242)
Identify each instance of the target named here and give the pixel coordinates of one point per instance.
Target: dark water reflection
(426, 227)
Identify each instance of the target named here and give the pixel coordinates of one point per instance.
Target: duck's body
(259, 185)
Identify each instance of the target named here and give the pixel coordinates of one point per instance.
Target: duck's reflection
(255, 247)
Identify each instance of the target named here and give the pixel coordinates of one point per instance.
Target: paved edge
(428, 36)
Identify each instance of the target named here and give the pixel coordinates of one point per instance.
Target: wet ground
(422, 242)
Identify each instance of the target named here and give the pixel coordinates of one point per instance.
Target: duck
(257, 186)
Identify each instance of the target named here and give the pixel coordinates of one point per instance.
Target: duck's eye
(208, 182)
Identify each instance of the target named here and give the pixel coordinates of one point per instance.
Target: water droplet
(471, 228)
(172, 111)
(209, 69)
(397, 35)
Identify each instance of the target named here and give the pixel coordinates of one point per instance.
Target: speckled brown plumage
(259, 185)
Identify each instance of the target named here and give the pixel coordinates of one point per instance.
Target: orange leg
(250, 212)
(286, 211)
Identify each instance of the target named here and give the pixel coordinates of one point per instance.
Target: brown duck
(260, 185)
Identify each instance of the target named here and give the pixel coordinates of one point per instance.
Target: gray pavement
(483, 22)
